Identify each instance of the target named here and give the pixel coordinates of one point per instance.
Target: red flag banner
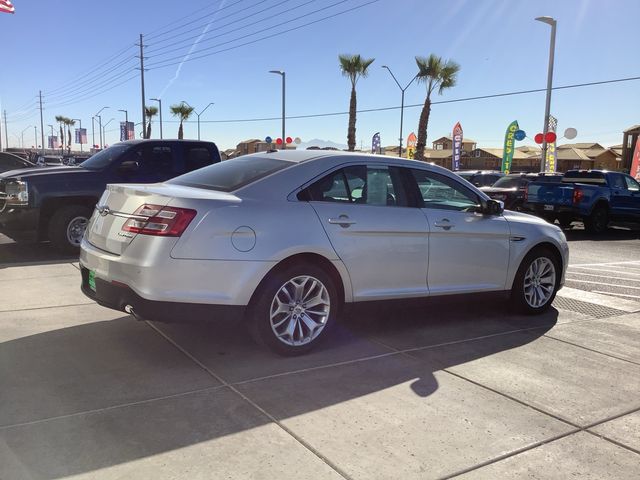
(635, 162)
(6, 6)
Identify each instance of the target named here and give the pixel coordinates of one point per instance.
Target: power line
(245, 17)
(158, 65)
(442, 102)
(198, 27)
(73, 102)
(152, 32)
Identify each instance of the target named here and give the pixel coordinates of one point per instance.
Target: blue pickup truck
(595, 197)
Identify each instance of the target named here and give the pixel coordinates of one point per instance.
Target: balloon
(297, 141)
(551, 137)
(520, 135)
(268, 139)
(570, 133)
(279, 141)
(538, 138)
(289, 140)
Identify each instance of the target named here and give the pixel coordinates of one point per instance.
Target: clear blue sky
(49, 46)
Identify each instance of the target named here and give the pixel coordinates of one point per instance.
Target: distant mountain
(316, 142)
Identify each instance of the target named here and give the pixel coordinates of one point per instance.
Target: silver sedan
(286, 239)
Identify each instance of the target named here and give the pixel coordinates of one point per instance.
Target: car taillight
(525, 192)
(578, 195)
(160, 221)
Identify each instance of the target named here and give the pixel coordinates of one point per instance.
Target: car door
(619, 200)
(633, 197)
(468, 250)
(381, 240)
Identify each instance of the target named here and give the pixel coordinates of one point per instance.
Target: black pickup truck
(55, 203)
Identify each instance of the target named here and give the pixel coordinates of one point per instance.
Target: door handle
(444, 224)
(342, 220)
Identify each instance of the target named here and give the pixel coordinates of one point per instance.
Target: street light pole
(51, 127)
(22, 136)
(401, 104)
(198, 114)
(100, 124)
(547, 109)
(104, 133)
(35, 137)
(283, 75)
(160, 112)
(80, 124)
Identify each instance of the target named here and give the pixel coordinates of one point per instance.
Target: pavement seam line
(591, 349)
(36, 263)
(611, 440)
(111, 407)
(44, 277)
(48, 306)
(271, 418)
(509, 455)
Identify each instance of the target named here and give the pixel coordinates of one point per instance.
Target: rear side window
(197, 157)
(231, 174)
(595, 178)
(366, 185)
(158, 159)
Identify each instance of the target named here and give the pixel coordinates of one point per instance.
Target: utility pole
(6, 135)
(144, 118)
(0, 133)
(41, 121)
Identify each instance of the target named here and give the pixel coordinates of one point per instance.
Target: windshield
(508, 182)
(231, 174)
(104, 158)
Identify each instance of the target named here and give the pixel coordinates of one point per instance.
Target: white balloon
(570, 133)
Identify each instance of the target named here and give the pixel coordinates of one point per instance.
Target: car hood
(36, 172)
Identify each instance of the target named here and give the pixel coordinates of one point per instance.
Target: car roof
(158, 140)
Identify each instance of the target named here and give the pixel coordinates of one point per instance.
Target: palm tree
(353, 67)
(183, 111)
(60, 119)
(438, 74)
(150, 112)
(69, 123)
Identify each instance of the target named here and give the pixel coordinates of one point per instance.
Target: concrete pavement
(451, 388)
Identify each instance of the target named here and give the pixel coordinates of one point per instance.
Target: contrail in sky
(195, 44)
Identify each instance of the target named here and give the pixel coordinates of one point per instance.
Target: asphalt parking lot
(448, 389)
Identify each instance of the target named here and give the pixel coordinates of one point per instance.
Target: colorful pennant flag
(550, 161)
(635, 162)
(375, 143)
(6, 6)
(457, 146)
(412, 140)
(509, 146)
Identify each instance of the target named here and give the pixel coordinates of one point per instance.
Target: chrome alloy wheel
(299, 310)
(539, 282)
(75, 230)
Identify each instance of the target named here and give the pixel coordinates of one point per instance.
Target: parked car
(288, 238)
(9, 161)
(55, 203)
(481, 178)
(595, 197)
(512, 189)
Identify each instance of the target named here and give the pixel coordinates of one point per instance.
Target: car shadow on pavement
(12, 253)
(97, 395)
(577, 234)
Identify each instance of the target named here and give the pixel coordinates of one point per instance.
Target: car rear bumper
(147, 269)
(121, 297)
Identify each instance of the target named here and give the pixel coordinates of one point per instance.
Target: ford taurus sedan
(286, 239)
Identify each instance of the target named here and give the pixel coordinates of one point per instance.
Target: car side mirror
(128, 166)
(493, 207)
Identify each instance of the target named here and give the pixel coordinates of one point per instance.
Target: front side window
(367, 185)
(441, 192)
(632, 185)
(105, 157)
(617, 181)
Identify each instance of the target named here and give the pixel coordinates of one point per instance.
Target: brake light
(160, 221)
(578, 195)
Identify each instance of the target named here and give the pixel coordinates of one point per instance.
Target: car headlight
(17, 193)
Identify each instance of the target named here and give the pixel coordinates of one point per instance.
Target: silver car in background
(286, 239)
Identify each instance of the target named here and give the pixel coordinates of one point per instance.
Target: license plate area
(549, 207)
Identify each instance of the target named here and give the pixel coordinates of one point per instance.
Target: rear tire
(294, 309)
(536, 282)
(67, 226)
(598, 220)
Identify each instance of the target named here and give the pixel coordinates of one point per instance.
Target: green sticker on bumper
(92, 280)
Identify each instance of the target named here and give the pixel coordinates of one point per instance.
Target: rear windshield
(231, 174)
(508, 182)
(584, 177)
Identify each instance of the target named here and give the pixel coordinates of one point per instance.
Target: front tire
(67, 227)
(536, 282)
(598, 220)
(294, 309)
